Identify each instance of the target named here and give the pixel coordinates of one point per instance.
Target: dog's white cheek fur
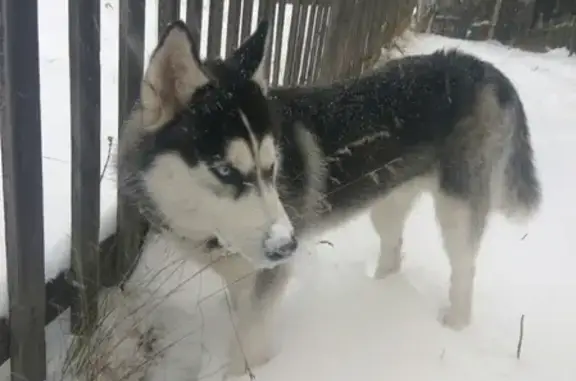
(184, 196)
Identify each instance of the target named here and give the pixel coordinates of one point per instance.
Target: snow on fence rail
(313, 41)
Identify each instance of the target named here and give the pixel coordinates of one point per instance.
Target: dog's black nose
(283, 251)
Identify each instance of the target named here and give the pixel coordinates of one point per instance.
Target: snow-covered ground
(338, 324)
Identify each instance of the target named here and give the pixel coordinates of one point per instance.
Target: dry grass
(121, 327)
(102, 352)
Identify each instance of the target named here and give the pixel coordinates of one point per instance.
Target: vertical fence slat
(266, 12)
(23, 200)
(233, 30)
(278, 43)
(194, 20)
(290, 52)
(374, 40)
(315, 28)
(215, 28)
(84, 42)
(348, 46)
(131, 58)
(361, 52)
(298, 45)
(340, 22)
(321, 42)
(247, 10)
(308, 41)
(168, 11)
(328, 50)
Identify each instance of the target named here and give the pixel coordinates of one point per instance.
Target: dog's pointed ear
(249, 58)
(174, 71)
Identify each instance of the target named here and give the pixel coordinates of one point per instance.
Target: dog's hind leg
(388, 217)
(462, 224)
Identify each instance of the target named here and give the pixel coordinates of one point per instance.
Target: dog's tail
(522, 191)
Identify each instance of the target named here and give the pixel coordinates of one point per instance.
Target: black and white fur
(229, 172)
(445, 123)
(199, 157)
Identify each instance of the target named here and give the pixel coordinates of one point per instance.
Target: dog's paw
(384, 267)
(253, 354)
(381, 271)
(454, 319)
(241, 364)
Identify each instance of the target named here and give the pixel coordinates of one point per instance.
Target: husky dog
(223, 167)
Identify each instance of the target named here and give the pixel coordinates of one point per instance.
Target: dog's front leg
(254, 297)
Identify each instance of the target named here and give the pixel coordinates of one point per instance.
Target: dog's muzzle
(280, 243)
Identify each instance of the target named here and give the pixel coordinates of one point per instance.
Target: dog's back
(447, 114)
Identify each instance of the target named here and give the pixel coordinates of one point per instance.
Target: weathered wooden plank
(374, 38)
(59, 296)
(308, 42)
(278, 42)
(359, 51)
(194, 21)
(168, 11)
(84, 42)
(131, 57)
(247, 10)
(298, 46)
(266, 12)
(343, 27)
(315, 41)
(324, 18)
(330, 49)
(215, 20)
(290, 51)
(349, 54)
(22, 183)
(233, 29)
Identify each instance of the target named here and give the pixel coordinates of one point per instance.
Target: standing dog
(231, 173)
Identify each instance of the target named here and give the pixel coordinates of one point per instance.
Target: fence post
(131, 67)
(168, 11)
(247, 9)
(279, 27)
(337, 29)
(233, 27)
(194, 21)
(215, 20)
(266, 12)
(23, 201)
(291, 55)
(84, 40)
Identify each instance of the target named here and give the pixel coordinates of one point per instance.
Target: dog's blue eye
(223, 170)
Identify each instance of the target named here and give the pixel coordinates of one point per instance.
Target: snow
(337, 323)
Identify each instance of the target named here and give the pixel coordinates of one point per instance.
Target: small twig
(110, 141)
(520, 338)
(443, 354)
(398, 47)
(325, 242)
(247, 368)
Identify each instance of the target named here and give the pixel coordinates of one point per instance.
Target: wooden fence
(516, 25)
(553, 35)
(313, 41)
